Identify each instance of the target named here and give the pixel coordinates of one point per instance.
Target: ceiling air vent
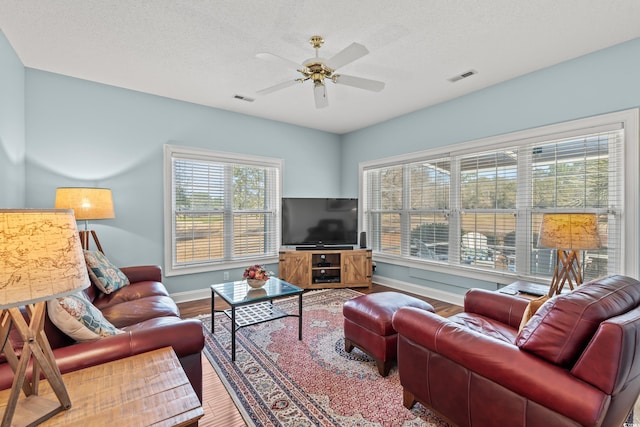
(243, 98)
(463, 76)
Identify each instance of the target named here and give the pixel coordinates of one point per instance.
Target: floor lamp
(568, 233)
(88, 203)
(42, 260)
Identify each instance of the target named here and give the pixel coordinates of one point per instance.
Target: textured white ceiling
(204, 51)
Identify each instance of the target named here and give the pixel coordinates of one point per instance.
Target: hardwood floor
(219, 409)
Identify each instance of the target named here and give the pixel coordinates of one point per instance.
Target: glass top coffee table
(250, 306)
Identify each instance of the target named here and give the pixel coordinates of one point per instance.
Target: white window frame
(199, 154)
(629, 119)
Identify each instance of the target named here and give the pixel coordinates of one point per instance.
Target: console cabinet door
(295, 268)
(356, 267)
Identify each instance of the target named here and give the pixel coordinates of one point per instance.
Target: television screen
(307, 221)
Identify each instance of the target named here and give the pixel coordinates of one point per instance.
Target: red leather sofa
(148, 316)
(575, 363)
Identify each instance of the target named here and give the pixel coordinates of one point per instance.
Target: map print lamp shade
(40, 259)
(568, 233)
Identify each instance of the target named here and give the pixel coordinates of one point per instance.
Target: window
(220, 208)
(477, 207)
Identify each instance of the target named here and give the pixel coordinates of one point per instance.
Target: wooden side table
(142, 390)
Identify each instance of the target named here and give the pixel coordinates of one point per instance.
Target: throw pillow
(106, 276)
(78, 318)
(531, 309)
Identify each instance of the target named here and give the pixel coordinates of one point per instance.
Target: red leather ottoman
(367, 325)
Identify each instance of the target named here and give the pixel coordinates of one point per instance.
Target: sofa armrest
(506, 309)
(141, 273)
(185, 336)
(505, 364)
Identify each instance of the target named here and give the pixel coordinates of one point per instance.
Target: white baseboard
(424, 291)
(191, 295)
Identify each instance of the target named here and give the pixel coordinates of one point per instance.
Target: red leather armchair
(150, 319)
(575, 363)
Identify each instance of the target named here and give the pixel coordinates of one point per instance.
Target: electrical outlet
(226, 275)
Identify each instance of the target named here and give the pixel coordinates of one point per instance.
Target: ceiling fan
(320, 70)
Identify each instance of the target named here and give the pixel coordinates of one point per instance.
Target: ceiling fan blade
(276, 59)
(277, 87)
(359, 82)
(346, 55)
(320, 95)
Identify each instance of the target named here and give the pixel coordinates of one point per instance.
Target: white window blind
(221, 207)
(579, 174)
(384, 198)
(487, 208)
(481, 208)
(407, 209)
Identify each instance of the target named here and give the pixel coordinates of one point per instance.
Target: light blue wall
(81, 133)
(12, 128)
(602, 82)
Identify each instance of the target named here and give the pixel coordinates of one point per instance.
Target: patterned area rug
(277, 380)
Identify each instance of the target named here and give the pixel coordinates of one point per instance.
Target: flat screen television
(317, 222)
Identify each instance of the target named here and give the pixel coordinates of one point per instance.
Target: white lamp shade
(40, 256)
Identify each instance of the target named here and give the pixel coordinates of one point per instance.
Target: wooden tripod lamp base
(567, 271)
(84, 239)
(33, 409)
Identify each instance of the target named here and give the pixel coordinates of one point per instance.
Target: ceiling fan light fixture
(320, 94)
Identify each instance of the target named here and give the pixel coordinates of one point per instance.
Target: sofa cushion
(78, 318)
(485, 326)
(136, 311)
(133, 292)
(563, 326)
(104, 275)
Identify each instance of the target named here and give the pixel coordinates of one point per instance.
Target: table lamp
(568, 233)
(88, 203)
(40, 259)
